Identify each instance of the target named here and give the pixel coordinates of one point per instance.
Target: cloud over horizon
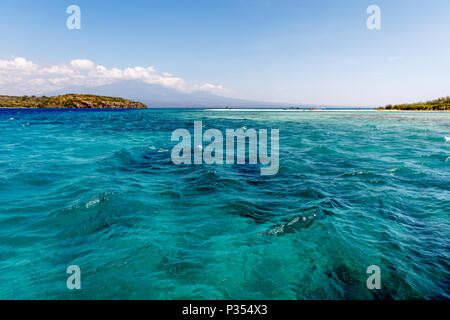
(20, 76)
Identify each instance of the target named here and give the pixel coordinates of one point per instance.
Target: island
(70, 101)
(441, 104)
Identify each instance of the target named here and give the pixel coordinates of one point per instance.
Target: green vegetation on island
(441, 104)
(76, 101)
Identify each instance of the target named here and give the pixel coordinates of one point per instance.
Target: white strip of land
(322, 110)
(293, 110)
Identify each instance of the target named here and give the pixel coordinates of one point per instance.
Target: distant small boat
(447, 139)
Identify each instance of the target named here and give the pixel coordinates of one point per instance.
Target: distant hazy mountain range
(156, 96)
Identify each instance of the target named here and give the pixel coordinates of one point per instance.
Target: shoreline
(234, 110)
(70, 108)
(324, 110)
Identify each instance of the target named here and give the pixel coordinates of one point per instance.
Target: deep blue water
(98, 189)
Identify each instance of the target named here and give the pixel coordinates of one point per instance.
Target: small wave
(136, 160)
(447, 139)
(368, 174)
(393, 171)
(92, 203)
(319, 210)
(299, 222)
(258, 212)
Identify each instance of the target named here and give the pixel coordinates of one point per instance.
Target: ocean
(98, 189)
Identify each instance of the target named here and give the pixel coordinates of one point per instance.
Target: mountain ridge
(156, 96)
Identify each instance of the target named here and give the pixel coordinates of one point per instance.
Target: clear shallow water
(98, 189)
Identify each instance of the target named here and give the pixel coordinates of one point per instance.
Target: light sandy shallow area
(318, 110)
(291, 110)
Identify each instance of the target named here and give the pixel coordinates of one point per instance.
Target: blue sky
(316, 52)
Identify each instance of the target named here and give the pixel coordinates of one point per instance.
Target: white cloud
(58, 70)
(22, 77)
(82, 64)
(18, 64)
(216, 89)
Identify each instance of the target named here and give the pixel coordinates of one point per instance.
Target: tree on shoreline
(440, 104)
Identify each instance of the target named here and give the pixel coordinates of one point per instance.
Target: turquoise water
(98, 189)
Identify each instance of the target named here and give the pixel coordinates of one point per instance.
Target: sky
(306, 52)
